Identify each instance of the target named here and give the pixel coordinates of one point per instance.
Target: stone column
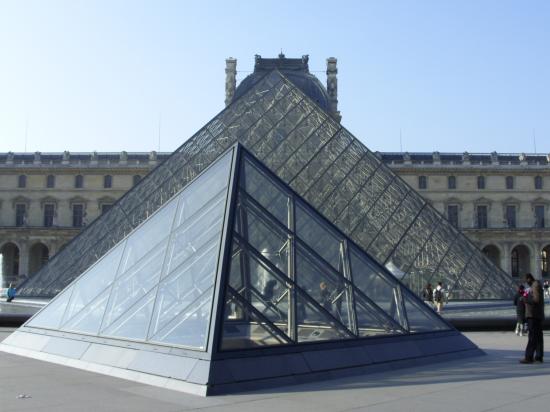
(506, 256)
(537, 260)
(24, 259)
(230, 79)
(332, 88)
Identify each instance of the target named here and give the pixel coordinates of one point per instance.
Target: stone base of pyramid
(237, 372)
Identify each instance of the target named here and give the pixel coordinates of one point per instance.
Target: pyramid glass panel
(324, 163)
(376, 285)
(133, 323)
(244, 328)
(190, 326)
(181, 289)
(94, 282)
(50, 316)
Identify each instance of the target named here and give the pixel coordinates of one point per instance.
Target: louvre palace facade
(501, 201)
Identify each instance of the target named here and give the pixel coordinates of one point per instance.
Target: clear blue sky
(451, 75)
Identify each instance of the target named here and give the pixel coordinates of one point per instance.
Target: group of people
(434, 297)
(529, 302)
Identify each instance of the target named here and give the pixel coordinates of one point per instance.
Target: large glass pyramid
(326, 165)
(235, 271)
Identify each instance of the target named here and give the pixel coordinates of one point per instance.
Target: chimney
(332, 88)
(230, 79)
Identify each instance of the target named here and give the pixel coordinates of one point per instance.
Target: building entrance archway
(38, 256)
(521, 261)
(493, 254)
(9, 265)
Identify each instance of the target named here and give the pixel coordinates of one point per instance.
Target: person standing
(438, 297)
(519, 302)
(428, 295)
(534, 313)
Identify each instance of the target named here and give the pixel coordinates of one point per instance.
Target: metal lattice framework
(326, 165)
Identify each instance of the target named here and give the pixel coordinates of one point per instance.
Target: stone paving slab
(495, 382)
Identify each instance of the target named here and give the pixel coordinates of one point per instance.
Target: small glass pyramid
(234, 264)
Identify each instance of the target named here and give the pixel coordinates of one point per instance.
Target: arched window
(50, 181)
(79, 181)
(481, 182)
(422, 182)
(451, 182)
(538, 182)
(509, 182)
(136, 179)
(107, 181)
(515, 262)
(22, 181)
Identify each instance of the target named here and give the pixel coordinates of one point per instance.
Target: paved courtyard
(495, 382)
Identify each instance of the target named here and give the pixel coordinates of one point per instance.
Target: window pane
(452, 214)
(324, 285)
(314, 325)
(376, 285)
(78, 181)
(184, 286)
(134, 323)
(131, 286)
(266, 239)
(243, 329)
(269, 195)
(318, 237)
(51, 315)
(539, 216)
(93, 284)
(147, 236)
(49, 212)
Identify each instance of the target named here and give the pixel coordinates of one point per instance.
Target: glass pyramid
(233, 263)
(323, 163)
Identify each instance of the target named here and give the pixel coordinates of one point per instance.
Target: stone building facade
(47, 198)
(501, 201)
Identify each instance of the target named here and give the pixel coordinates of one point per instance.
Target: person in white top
(439, 297)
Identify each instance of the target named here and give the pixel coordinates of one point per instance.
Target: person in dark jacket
(519, 302)
(534, 313)
(428, 295)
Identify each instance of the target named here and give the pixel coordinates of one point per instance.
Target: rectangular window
(79, 181)
(20, 214)
(481, 182)
(511, 216)
(49, 211)
(451, 182)
(78, 215)
(452, 214)
(22, 181)
(509, 182)
(50, 181)
(481, 214)
(422, 182)
(538, 182)
(539, 216)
